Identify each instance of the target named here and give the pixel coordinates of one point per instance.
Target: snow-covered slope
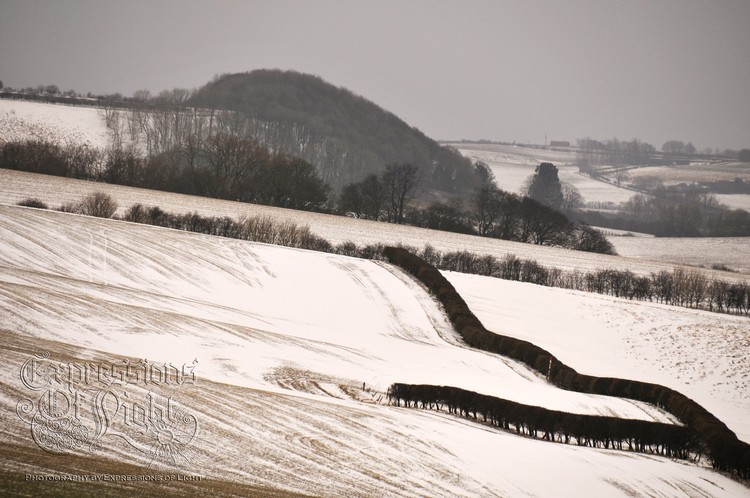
(131, 289)
(283, 340)
(704, 355)
(55, 191)
(62, 124)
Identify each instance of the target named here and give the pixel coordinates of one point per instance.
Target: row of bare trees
(225, 166)
(683, 214)
(488, 212)
(382, 197)
(165, 122)
(679, 287)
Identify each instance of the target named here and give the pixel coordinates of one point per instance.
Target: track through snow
(284, 339)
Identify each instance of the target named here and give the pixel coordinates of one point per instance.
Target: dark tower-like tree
(544, 186)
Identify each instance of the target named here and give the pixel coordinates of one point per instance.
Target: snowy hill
(282, 341)
(512, 165)
(62, 124)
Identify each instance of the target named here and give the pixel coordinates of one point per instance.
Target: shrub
(136, 214)
(33, 203)
(71, 207)
(99, 204)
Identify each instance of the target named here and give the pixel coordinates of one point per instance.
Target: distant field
(63, 124)
(733, 252)
(512, 165)
(696, 172)
(735, 201)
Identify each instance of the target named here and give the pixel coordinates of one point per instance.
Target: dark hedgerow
(596, 431)
(714, 437)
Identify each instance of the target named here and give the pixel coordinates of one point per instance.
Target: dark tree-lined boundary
(714, 439)
(680, 287)
(595, 431)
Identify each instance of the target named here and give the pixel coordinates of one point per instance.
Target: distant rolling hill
(346, 136)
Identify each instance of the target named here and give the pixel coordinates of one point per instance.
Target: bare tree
(364, 199)
(400, 183)
(236, 165)
(621, 175)
(571, 197)
(486, 207)
(99, 204)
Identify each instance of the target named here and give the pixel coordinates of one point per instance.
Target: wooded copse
(347, 134)
(669, 213)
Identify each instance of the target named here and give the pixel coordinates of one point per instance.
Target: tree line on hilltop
(617, 152)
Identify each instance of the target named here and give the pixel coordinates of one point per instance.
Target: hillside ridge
(342, 133)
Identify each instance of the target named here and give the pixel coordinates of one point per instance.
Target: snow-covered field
(285, 338)
(344, 318)
(694, 172)
(62, 124)
(512, 165)
(705, 355)
(735, 201)
(733, 252)
(16, 186)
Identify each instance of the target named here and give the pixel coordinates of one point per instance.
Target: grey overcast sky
(502, 70)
